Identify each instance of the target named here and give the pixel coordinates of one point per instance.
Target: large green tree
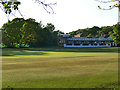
(19, 31)
(116, 34)
(49, 34)
(28, 31)
(22, 32)
(11, 32)
(106, 30)
(94, 31)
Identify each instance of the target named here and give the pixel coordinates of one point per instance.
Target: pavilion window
(101, 43)
(77, 42)
(69, 42)
(86, 43)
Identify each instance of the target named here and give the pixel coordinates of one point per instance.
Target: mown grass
(57, 67)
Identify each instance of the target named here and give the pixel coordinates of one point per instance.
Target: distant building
(62, 39)
(81, 41)
(79, 35)
(89, 42)
(110, 36)
(104, 36)
(64, 35)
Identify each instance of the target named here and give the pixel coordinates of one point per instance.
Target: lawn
(58, 67)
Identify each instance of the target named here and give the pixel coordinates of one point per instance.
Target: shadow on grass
(36, 51)
(110, 85)
(23, 53)
(84, 50)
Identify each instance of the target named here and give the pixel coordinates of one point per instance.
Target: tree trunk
(118, 17)
(119, 13)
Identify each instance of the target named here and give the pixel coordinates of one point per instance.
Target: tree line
(22, 32)
(29, 32)
(97, 32)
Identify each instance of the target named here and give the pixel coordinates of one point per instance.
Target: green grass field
(58, 67)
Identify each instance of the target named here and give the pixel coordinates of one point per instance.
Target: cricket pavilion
(67, 41)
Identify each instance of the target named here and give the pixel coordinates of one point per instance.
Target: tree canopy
(116, 34)
(20, 31)
(98, 32)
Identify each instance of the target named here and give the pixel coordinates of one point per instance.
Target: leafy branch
(105, 1)
(9, 6)
(13, 5)
(46, 6)
(110, 7)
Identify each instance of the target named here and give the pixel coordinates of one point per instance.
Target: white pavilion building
(89, 42)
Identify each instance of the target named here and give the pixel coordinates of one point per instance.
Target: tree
(73, 33)
(19, 31)
(11, 33)
(49, 34)
(110, 7)
(116, 34)
(0, 37)
(59, 32)
(108, 30)
(8, 6)
(90, 35)
(93, 31)
(29, 31)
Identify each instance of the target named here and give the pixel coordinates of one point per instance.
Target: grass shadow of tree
(23, 53)
(41, 51)
(84, 50)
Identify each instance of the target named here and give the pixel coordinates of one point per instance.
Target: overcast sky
(70, 15)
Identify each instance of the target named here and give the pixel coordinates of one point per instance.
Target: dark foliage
(22, 32)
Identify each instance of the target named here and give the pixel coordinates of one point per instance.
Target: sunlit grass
(60, 67)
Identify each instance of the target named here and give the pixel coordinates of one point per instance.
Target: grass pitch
(58, 67)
